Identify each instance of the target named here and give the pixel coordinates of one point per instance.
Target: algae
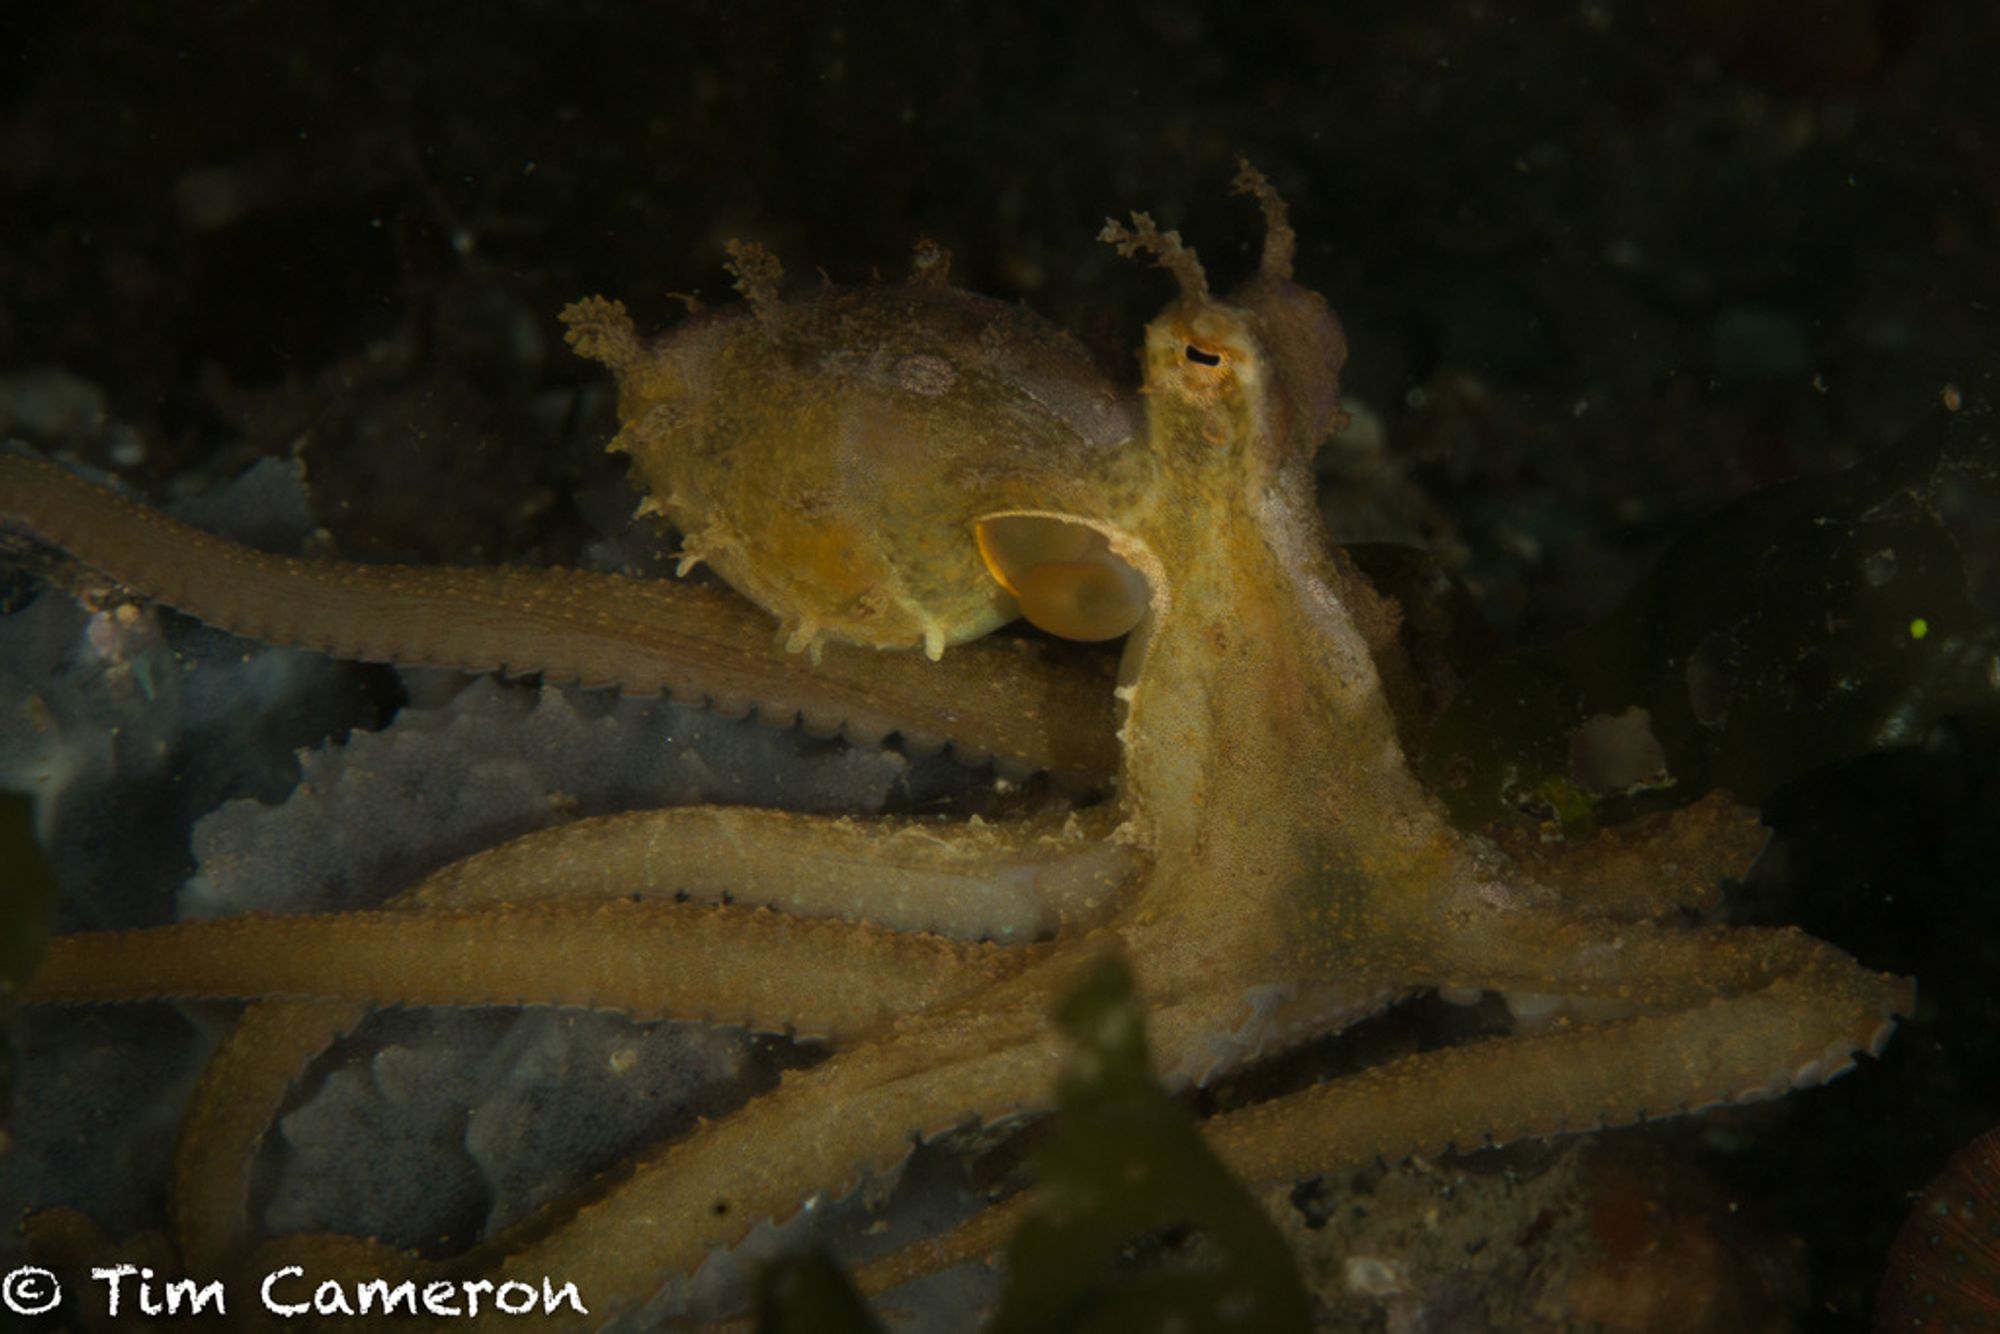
(809, 1292)
(1123, 1164)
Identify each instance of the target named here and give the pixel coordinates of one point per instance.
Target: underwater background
(1603, 267)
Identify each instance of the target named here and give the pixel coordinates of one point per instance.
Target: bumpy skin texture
(1268, 864)
(835, 495)
(692, 642)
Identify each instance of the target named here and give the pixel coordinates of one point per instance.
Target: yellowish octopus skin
(834, 494)
(1268, 863)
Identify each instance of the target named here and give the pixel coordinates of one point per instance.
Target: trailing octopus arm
(899, 468)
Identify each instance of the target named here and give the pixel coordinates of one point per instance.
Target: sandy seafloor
(1602, 266)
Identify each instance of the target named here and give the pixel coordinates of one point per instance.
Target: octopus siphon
(889, 473)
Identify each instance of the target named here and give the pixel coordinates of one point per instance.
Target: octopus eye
(1083, 599)
(1064, 575)
(1202, 357)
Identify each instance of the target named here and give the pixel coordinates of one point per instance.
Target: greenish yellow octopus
(901, 467)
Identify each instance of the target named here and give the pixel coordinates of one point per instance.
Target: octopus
(886, 474)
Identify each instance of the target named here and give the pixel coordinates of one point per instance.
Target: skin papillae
(1267, 862)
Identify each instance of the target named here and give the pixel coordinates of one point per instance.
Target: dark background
(1603, 266)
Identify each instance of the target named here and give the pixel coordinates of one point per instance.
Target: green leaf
(808, 1294)
(1123, 1164)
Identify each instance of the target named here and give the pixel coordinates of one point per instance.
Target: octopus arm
(1795, 1030)
(1010, 881)
(1800, 1030)
(954, 1066)
(1637, 962)
(235, 1104)
(696, 643)
(1665, 866)
(1464, 921)
(852, 980)
(951, 1065)
(756, 968)
(911, 875)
